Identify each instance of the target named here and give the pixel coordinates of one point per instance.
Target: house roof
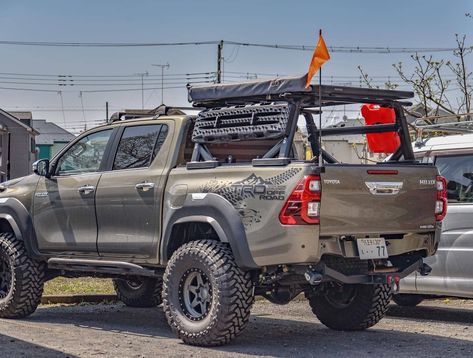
(22, 115)
(17, 121)
(420, 111)
(49, 133)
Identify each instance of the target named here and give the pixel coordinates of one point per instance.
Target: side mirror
(41, 167)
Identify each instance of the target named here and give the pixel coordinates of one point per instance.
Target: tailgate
(382, 199)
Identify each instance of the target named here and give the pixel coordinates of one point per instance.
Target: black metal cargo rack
(270, 109)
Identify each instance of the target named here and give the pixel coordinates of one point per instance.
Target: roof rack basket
(270, 109)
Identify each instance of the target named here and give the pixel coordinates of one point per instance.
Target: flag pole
(321, 162)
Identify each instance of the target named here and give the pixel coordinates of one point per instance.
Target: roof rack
(271, 108)
(290, 89)
(162, 110)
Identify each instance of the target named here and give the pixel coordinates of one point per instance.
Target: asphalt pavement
(434, 329)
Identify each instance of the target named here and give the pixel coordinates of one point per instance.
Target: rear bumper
(330, 274)
(419, 242)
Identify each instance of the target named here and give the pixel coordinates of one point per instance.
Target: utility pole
(219, 61)
(162, 78)
(106, 111)
(142, 75)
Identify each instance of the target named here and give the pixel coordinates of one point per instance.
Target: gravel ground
(434, 329)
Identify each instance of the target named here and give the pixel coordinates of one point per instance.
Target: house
(351, 149)
(17, 146)
(51, 138)
(418, 110)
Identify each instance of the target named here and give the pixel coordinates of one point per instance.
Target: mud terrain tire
(139, 292)
(206, 297)
(21, 279)
(350, 307)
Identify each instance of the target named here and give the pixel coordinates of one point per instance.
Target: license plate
(372, 248)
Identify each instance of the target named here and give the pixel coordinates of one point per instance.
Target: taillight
(303, 205)
(441, 202)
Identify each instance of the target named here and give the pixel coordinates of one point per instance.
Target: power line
(182, 86)
(275, 74)
(80, 84)
(341, 49)
(347, 49)
(104, 44)
(103, 80)
(190, 74)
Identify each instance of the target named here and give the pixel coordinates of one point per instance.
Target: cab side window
(458, 170)
(85, 156)
(139, 145)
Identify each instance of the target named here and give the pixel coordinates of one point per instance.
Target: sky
(401, 23)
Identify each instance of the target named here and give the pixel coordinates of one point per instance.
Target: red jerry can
(380, 142)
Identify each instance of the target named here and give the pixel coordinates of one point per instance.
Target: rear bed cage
(253, 110)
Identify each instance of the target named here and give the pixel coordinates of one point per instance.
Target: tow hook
(314, 278)
(425, 269)
(394, 281)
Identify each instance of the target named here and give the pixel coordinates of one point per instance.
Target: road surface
(434, 329)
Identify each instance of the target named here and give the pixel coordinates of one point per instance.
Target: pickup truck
(202, 213)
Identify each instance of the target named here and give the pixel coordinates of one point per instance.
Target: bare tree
(431, 81)
(428, 83)
(462, 76)
(368, 81)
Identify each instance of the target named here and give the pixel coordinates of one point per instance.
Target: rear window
(139, 145)
(458, 170)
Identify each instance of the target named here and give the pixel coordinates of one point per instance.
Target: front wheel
(206, 297)
(346, 307)
(21, 279)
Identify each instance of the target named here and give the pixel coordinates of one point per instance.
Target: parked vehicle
(452, 266)
(203, 212)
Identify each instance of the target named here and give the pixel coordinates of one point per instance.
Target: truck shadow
(431, 313)
(265, 335)
(13, 347)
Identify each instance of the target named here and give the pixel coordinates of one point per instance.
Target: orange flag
(319, 57)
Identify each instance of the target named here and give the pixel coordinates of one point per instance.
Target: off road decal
(253, 186)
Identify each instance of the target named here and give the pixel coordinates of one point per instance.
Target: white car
(452, 265)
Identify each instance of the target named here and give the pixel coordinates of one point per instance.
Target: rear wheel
(407, 300)
(21, 279)
(139, 291)
(206, 297)
(346, 307)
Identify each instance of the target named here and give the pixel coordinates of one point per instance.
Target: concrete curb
(94, 298)
(71, 299)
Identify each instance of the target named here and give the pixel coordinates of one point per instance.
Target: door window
(458, 170)
(85, 156)
(139, 146)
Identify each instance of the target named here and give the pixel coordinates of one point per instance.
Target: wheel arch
(15, 218)
(213, 214)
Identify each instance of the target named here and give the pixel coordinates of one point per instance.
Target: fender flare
(220, 214)
(13, 211)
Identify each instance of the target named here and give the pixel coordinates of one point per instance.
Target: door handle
(145, 186)
(384, 188)
(86, 189)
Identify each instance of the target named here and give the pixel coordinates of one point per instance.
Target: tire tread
(28, 279)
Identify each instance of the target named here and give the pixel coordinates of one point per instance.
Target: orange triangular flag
(319, 57)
